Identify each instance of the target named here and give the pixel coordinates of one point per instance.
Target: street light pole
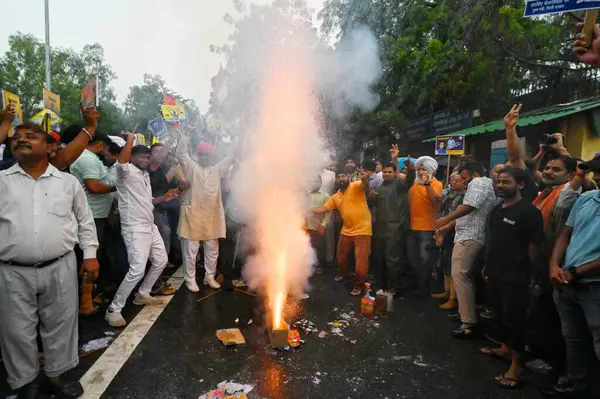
(48, 81)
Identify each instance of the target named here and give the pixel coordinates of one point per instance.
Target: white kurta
(202, 216)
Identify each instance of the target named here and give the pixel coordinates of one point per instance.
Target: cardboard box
(381, 304)
(279, 337)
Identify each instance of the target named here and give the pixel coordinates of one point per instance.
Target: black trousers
(389, 253)
(510, 302)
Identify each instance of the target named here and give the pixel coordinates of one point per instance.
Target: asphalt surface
(405, 354)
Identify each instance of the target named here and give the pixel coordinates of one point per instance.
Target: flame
(281, 156)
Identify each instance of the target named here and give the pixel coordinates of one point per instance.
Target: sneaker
(143, 300)
(488, 314)
(192, 285)
(539, 366)
(114, 319)
(212, 283)
(563, 390)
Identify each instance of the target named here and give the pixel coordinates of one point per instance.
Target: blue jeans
(579, 308)
(167, 222)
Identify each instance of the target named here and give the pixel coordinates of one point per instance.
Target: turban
(205, 148)
(428, 163)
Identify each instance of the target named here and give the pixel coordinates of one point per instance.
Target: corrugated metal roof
(533, 117)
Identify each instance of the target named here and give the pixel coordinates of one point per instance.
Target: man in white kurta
(202, 217)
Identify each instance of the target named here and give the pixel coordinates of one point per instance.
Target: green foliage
(453, 53)
(22, 71)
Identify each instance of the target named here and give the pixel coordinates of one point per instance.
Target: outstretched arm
(513, 145)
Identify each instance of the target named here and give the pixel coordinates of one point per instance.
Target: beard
(342, 185)
(506, 194)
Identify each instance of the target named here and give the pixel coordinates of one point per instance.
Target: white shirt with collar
(134, 195)
(43, 219)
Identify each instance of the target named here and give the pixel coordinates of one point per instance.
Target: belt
(37, 265)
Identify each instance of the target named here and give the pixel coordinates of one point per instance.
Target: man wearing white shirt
(43, 214)
(141, 236)
(328, 187)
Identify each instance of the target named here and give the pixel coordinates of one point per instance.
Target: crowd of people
(86, 221)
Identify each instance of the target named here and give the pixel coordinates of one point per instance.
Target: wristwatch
(573, 271)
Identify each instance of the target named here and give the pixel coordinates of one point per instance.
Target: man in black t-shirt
(515, 229)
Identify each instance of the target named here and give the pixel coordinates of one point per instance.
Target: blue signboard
(439, 123)
(541, 7)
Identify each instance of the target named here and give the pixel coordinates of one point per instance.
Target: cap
(594, 164)
(205, 148)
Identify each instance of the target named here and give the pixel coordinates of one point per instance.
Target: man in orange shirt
(424, 197)
(351, 202)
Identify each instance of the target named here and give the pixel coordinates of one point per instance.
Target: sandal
(356, 292)
(489, 352)
(505, 382)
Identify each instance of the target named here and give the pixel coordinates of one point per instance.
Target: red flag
(168, 100)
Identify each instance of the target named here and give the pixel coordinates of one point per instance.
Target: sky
(170, 38)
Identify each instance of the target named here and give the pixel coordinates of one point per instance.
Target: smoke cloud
(283, 82)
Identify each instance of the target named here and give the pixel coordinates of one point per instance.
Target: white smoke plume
(282, 81)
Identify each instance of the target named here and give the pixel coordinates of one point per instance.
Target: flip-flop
(339, 278)
(356, 292)
(518, 382)
(488, 352)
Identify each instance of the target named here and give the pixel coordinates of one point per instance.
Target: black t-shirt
(160, 186)
(530, 189)
(510, 231)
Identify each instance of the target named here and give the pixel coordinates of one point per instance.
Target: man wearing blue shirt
(577, 294)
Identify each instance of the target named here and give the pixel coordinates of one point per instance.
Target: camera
(548, 139)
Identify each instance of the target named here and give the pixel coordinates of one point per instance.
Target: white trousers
(141, 247)
(190, 250)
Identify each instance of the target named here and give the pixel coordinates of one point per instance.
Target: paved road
(404, 354)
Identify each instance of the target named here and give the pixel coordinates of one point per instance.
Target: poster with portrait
(452, 144)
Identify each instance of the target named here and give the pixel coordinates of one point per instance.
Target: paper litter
(97, 344)
(306, 326)
(229, 390)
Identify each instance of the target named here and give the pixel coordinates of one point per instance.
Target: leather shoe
(62, 389)
(29, 391)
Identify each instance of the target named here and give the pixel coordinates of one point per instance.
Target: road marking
(101, 374)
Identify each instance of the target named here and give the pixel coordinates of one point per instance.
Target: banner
(52, 101)
(47, 119)
(90, 93)
(10, 98)
(453, 144)
(173, 113)
(158, 127)
(541, 7)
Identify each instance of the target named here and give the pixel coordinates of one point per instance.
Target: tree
(22, 71)
(455, 53)
(143, 102)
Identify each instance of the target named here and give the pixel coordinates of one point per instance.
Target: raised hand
(587, 54)
(395, 152)
(7, 115)
(512, 118)
(90, 116)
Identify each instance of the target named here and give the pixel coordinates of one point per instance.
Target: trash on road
(231, 336)
(228, 390)
(306, 326)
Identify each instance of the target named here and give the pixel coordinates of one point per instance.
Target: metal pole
(48, 81)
